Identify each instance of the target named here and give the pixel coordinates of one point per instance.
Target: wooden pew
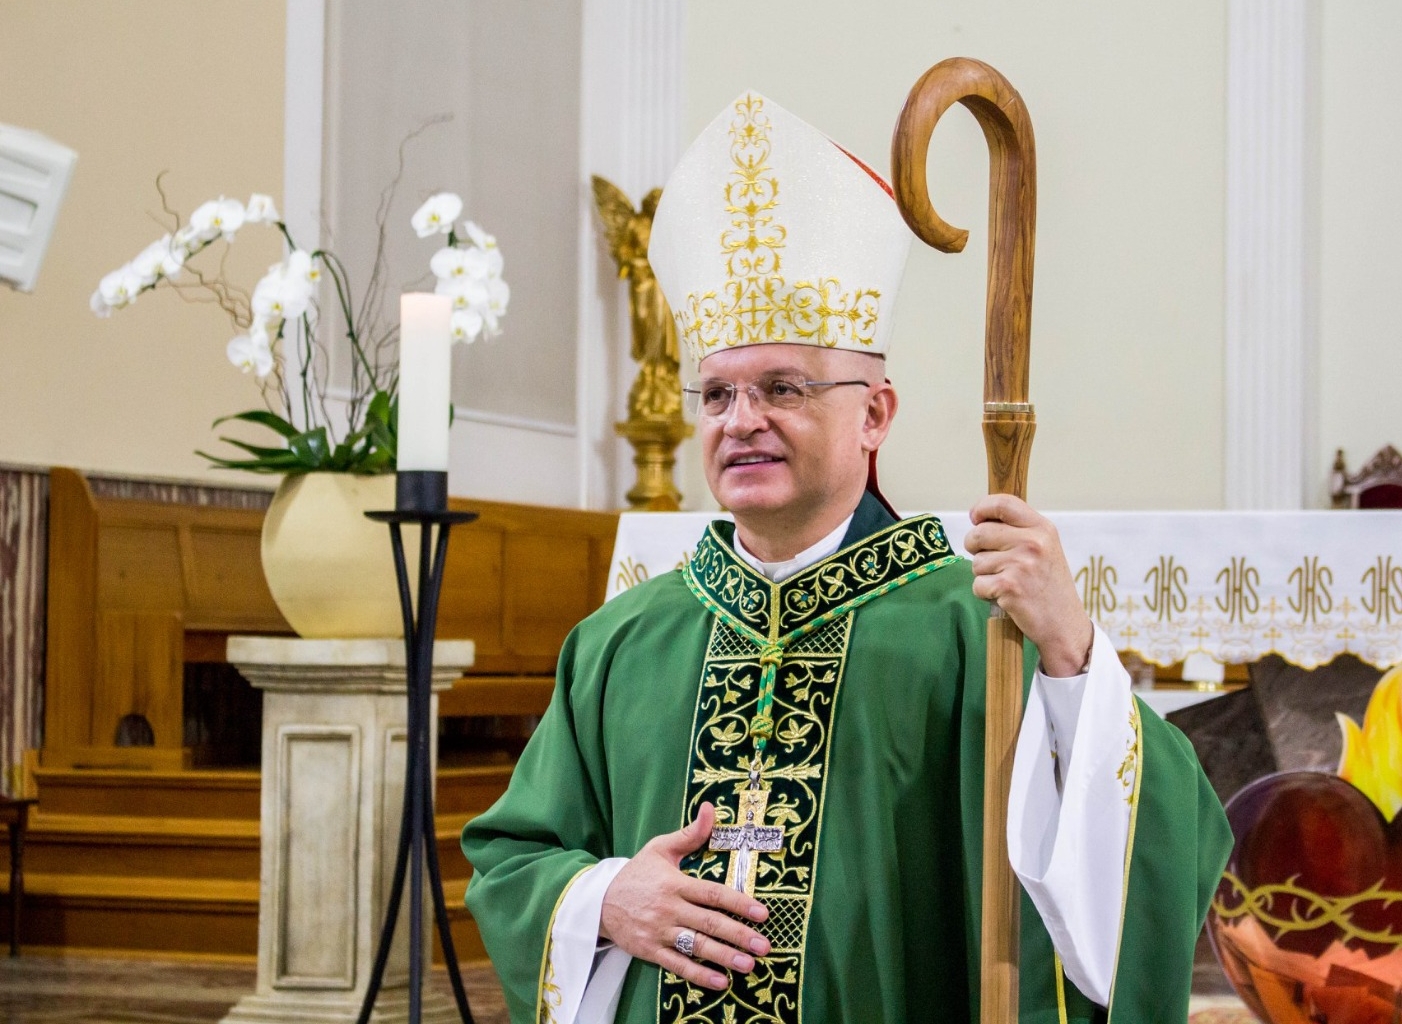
(130, 584)
(133, 851)
(139, 588)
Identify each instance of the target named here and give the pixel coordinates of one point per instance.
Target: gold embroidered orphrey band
(802, 627)
(756, 304)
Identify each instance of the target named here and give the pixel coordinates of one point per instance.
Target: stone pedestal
(334, 732)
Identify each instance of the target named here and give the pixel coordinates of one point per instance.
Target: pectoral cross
(748, 837)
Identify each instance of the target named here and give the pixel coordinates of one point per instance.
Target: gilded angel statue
(656, 394)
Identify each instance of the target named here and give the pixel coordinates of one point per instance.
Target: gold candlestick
(655, 425)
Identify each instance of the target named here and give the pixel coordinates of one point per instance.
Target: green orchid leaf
(266, 465)
(377, 461)
(381, 408)
(263, 418)
(259, 451)
(384, 440)
(312, 448)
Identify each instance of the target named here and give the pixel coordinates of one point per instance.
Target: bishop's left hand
(1018, 563)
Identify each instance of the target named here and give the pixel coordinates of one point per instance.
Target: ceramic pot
(1307, 921)
(331, 570)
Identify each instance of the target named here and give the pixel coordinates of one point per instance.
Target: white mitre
(770, 232)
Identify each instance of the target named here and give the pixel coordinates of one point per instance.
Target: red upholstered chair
(1376, 485)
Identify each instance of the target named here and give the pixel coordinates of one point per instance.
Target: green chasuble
(872, 766)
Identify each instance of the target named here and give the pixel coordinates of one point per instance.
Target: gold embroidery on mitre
(756, 304)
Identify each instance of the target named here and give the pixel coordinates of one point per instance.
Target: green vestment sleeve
(551, 824)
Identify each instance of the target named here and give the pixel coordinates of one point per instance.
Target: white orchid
(260, 210)
(479, 237)
(159, 259)
(491, 323)
(120, 288)
(173, 257)
(186, 240)
(471, 276)
(302, 269)
(466, 325)
(451, 263)
(498, 295)
(252, 352)
(287, 289)
(436, 216)
(282, 311)
(487, 244)
(147, 264)
(216, 218)
(466, 292)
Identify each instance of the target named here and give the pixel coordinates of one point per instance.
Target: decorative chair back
(1377, 485)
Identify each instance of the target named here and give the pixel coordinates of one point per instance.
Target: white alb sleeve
(587, 973)
(1068, 816)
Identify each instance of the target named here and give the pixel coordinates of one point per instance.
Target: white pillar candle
(425, 365)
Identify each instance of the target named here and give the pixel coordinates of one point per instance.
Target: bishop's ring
(685, 943)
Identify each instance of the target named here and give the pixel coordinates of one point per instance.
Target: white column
(630, 133)
(302, 120)
(303, 109)
(1272, 192)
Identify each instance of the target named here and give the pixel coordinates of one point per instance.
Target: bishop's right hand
(651, 902)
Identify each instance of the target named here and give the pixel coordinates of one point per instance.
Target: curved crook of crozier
(1012, 206)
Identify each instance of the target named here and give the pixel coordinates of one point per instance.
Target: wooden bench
(138, 589)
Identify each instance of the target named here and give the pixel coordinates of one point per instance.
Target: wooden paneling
(473, 696)
(138, 567)
(519, 579)
(224, 587)
(127, 579)
(71, 657)
(139, 671)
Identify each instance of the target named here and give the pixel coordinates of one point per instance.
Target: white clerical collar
(780, 571)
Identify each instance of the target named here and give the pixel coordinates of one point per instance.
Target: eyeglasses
(713, 398)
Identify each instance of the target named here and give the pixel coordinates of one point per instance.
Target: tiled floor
(81, 990)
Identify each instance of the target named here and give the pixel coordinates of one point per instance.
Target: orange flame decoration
(1372, 755)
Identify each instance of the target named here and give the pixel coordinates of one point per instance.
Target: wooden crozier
(1008, 425)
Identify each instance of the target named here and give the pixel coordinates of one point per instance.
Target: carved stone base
(334, 733)
(654, 444)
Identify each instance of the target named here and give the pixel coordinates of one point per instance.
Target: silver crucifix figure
(746, 839)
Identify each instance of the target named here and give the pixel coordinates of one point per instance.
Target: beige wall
(1360, 265)
(1127, 101)
(1128, 337)
(136, 87)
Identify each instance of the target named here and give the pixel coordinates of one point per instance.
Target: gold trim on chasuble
(756, 305)
(800, 629)
(1134, 766)
(548, 994)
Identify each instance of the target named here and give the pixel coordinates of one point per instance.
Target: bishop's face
(789, 473)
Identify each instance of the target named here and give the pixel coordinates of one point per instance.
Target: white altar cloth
(1233, 585)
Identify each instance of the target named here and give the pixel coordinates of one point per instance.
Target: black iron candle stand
(421, 500)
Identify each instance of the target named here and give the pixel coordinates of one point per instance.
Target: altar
(1169, 587)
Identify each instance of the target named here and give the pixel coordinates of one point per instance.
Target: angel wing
(616, 211)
